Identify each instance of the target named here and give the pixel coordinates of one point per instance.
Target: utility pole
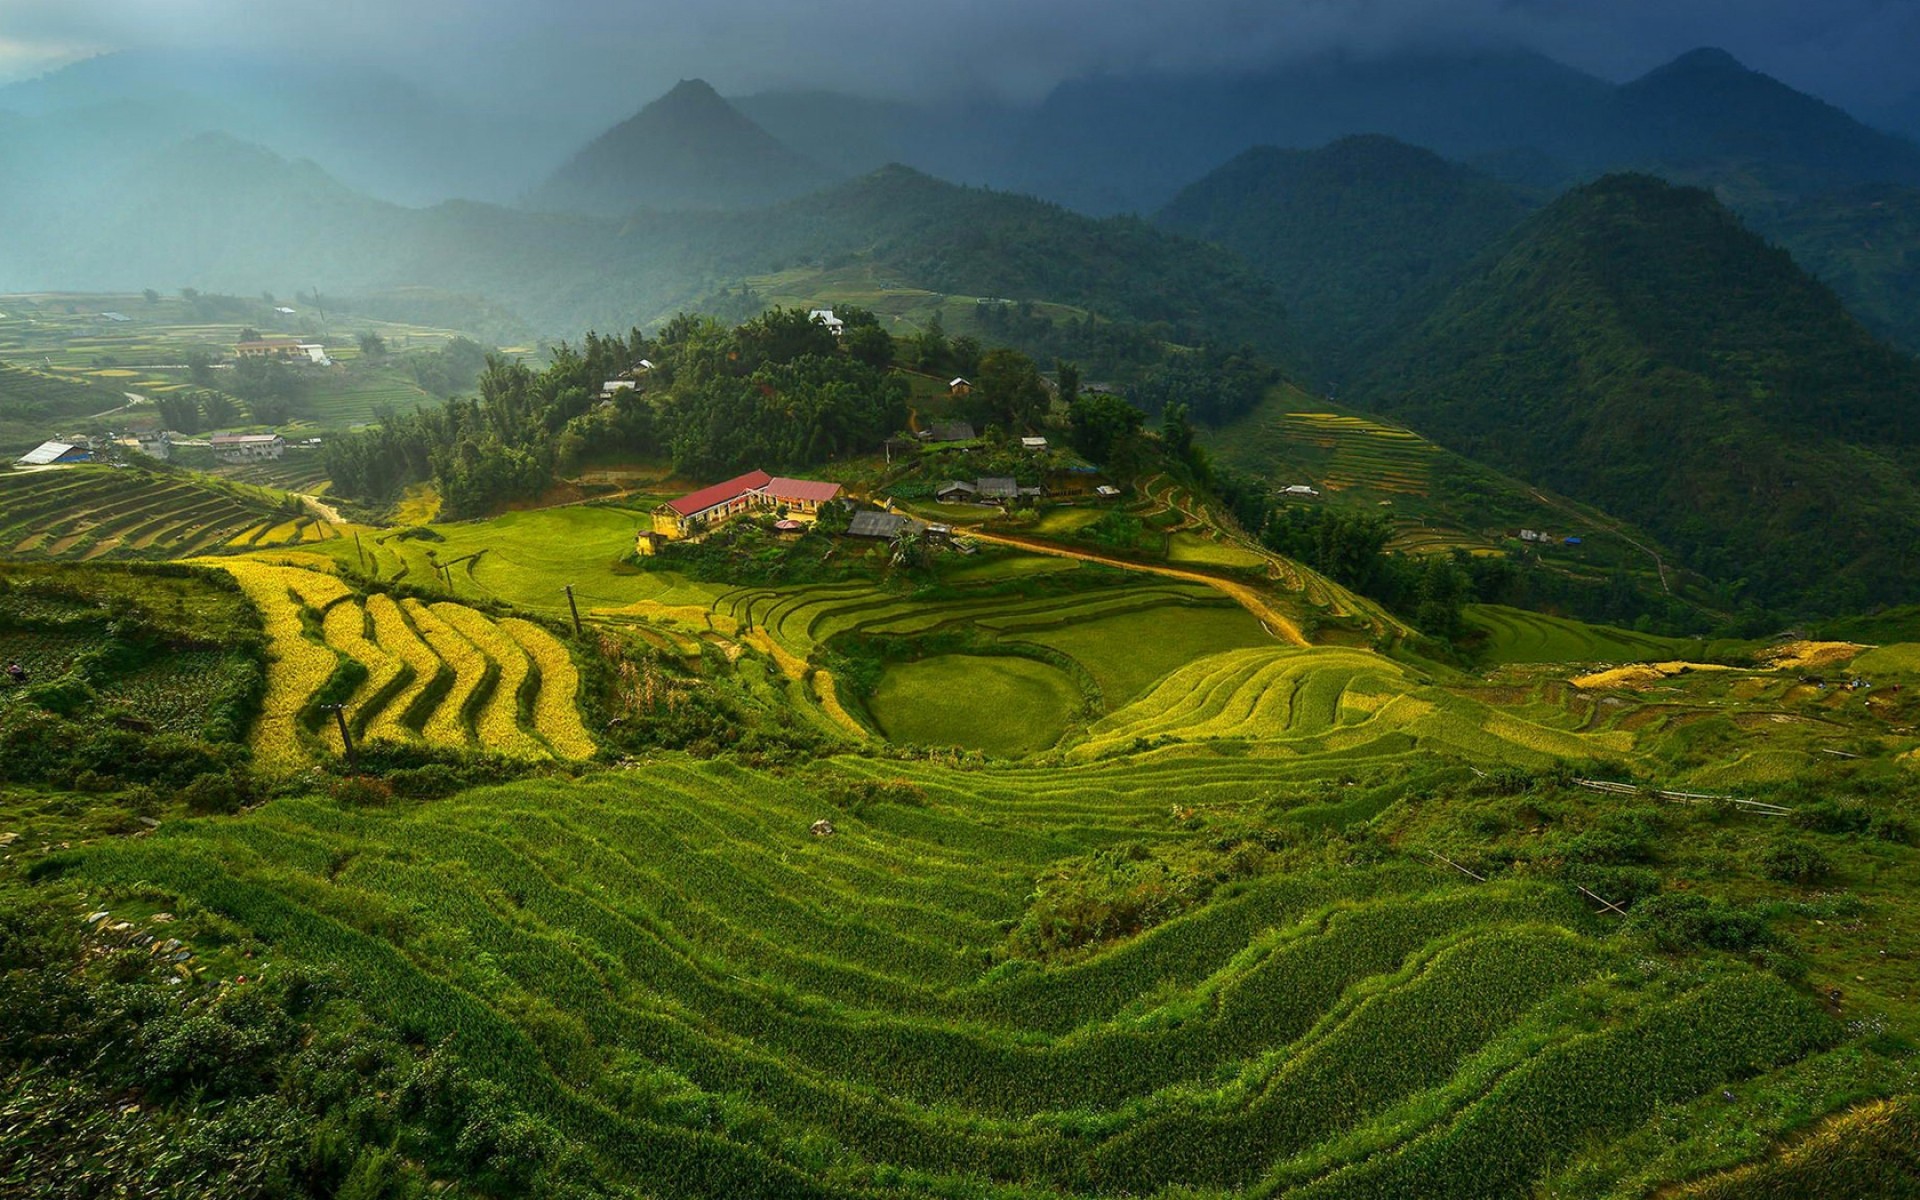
(575, 609)
(346, 736)
(358, 552)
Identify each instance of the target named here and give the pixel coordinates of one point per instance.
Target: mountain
(1865, 244)
(1706, 118)
(1129, 142)
(1635, 347)
(221, 215)
(689, 149)
(1357, 237)
(373, 130)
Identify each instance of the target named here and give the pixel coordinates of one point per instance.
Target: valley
(1008, 608)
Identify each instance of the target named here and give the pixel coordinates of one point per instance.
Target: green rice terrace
(89, 512)
(1048, 870)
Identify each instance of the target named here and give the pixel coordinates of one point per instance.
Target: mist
(603, 56)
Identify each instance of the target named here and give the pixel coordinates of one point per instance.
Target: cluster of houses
(798, 501)
(988, 489)
(231, 448)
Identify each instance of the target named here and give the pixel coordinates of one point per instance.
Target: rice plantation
(84, 513)
(1029, 876)
(666, 966)
(437, 674)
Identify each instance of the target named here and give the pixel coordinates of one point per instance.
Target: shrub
(1790, 860)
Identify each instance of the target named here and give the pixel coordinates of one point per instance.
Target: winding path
(1280, 626)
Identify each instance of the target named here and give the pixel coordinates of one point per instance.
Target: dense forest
(1633, 346)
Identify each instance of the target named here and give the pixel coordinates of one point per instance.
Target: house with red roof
(802, 499)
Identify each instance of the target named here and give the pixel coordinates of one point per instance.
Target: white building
(825, 317)
(248, 447)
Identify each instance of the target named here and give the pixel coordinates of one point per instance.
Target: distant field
(146, 353)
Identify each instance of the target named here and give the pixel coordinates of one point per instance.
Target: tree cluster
(779, 392)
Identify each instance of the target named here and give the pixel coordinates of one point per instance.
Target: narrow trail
(1609, 526)
(1280, 626)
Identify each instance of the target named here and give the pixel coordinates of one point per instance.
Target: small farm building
(48, 454)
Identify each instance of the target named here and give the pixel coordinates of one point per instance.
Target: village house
(1299, 489)
(248, 447)
(956, 491)
(802, 499)
(272, 347)
(948, 431)
(1036, 444)
(51, 454)
(958, 387)
(885, 526)
(825, 317)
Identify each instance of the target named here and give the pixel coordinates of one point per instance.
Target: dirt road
(1278, 625)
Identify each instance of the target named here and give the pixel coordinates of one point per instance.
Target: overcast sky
(1855, 52)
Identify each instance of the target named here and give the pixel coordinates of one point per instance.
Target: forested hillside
(1356, 237)
(1636, 348)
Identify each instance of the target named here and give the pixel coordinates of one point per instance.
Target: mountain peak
(1705, 59)
(688, 149)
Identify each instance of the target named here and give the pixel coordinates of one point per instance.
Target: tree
(1007, 389)
(150, 296)
(372, 345)
(910, 551)
(931, 351)
(1102, 427)
(218, 409)
(869, 344)
(249, 334)
(1069, 376)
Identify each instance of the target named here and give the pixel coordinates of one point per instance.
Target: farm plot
(1517, 636)
(101, 512)
(1287, 701)
(1363, 453)
(1000, 704)
(1373, 1028)
(442, 674)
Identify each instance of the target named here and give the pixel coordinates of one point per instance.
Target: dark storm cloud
(1852, 50)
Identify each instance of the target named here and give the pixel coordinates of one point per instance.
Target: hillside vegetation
(1635, 348)
(1357, 238)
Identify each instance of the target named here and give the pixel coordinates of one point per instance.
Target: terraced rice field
(666, 966)
(442, 674)
(1517, 636)
(1000, 704)
(300, 471)
(1365, 454)
(88, 512)
(1325, 702)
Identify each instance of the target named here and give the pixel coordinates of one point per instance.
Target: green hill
(1634, 347)
(1355, 237)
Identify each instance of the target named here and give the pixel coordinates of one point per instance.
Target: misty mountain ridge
(563, 273)
(1634, 346)
(690, 149)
